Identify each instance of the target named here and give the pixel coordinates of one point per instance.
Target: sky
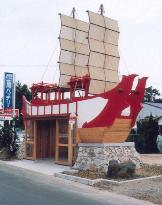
(29, 31)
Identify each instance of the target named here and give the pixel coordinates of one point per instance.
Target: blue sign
(8, 91)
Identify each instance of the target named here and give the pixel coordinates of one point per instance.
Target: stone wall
(97, 156)
(21, 151)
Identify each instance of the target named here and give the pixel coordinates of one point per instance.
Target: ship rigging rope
(48, 64)
(49, 60)
(124, 61)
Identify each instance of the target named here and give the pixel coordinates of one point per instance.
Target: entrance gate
(51, 138)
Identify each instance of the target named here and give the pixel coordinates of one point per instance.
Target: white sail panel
(111, 50)
(81, 37)
(96, 59)
(73, 35)
(82, 48)
(96, 86)
(81, 71)
(96, 19)
(74, 47)
(67, 33)
(74, 23)
(96, 46)
(67, 21)
(67, 69)
(110, 85)
(81, 60)
(96, 32)
(81, 25)
(111, 24)
(67, 45)
(64, 79)
(90, 48)
(67, 57)
(111, 37)
(97, 73)
(111, 75)
(111, 63)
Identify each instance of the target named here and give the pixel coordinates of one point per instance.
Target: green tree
(147, 132)
(8, 139)
(151, 94)
(21, 89)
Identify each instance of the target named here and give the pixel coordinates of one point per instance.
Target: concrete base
(97, 156)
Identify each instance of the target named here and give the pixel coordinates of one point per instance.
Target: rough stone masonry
(97, 156)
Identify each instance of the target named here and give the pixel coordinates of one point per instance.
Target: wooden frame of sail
(89, 49)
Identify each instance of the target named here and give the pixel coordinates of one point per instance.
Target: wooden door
(45, 139)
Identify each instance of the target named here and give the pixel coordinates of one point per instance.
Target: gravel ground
(149, 190)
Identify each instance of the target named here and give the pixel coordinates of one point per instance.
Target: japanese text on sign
(8, 90)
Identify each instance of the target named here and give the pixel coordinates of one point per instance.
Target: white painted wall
(89, 109)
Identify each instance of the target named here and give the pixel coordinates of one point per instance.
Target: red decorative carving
(117, 101)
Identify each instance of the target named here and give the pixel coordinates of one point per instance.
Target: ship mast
(101, 10)
(73, 12)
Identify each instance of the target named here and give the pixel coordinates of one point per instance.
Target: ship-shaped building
(91, 104)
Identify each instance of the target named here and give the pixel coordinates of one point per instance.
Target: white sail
(104, 56)
(89, 48)
(74, 46)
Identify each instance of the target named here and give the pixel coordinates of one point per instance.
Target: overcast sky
(29, 31)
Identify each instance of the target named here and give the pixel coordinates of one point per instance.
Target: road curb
(91, 182)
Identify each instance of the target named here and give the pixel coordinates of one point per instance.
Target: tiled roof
(150, 108)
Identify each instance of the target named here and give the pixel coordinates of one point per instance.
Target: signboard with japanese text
(8, 90)
(9, 113)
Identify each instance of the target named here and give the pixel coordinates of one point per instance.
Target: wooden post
(34, 140)
(57, 141)
(70, 147)
(25, 138)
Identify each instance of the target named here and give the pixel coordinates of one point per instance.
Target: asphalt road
(22, 187)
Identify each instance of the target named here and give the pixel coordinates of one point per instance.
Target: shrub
(122, 170)
(113, 168)
(8, 140)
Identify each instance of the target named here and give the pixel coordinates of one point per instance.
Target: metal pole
(3, 90)
(14, 94)
(73, 12)
(14, 99)
(101, 9)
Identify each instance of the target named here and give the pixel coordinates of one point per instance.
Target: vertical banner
(8, 99)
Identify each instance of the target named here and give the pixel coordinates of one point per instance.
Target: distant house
(150, 108)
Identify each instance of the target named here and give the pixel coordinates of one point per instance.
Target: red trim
(135, 99)
(116, 103)
(119, 98)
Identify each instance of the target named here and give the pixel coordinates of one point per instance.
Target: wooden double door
(51, 138)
